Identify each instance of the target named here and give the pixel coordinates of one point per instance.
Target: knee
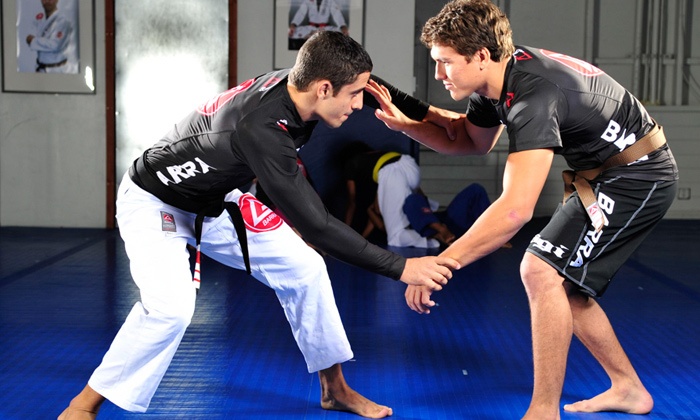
(173, 315)
(537, 276)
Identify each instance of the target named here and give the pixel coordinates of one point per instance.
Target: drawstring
(236, 217)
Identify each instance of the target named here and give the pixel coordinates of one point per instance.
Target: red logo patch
(257, 216)
(521, 55)
(222, 99)
(574, 64)
(509, 98)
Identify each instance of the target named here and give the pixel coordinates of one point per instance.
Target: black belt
(48, 66)
(236, 217)
(139, 175)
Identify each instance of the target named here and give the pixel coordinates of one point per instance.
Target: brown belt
(580, 180)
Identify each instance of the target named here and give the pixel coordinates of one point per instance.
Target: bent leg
(417, 209)
(281, 260)
(137, 359)
(627, 393)
(142, 350)
(552, 328)
(297, 274)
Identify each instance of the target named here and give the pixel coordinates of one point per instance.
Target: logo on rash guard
(509, 98)
(257, 216)
(270, 84)
(579, 66)
(222, 99)
(282, 124)
(521, 55)
(179, 173)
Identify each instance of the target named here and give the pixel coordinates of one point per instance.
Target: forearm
(496, 226)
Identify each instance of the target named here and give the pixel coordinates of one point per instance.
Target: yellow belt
(382, 160)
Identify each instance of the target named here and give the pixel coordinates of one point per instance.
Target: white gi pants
(396, 181)
(155, 235)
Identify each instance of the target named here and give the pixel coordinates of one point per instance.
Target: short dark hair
(332, 56)
(469, 25)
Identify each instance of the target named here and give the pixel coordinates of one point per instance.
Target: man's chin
(457, 96)
(335, 123)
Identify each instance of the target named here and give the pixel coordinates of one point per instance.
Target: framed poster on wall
(296, 20)
(48, 49)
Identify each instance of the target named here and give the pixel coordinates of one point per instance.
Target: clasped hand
(425, 275)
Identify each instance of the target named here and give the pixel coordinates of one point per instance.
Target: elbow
(519, 217)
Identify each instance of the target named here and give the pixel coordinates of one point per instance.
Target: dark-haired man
(184, 190)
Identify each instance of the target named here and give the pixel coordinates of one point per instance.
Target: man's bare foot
(72, 413)
(632, 402)
(350, 400)
(337, 395)
(84, 406)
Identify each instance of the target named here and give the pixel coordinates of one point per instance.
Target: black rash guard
(550, 100)
(255, 131)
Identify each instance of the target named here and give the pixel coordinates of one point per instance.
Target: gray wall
(659, 63)
(52, 147)
(52, 152)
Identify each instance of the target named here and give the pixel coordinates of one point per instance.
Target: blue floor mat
(65, 292)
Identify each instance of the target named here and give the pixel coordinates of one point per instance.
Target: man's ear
(324, 89)
(483, 55)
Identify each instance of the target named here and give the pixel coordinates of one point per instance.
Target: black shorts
(589, 259)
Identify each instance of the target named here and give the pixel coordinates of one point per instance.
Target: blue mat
(65, 292)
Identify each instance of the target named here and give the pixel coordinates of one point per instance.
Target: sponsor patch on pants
(167, 221)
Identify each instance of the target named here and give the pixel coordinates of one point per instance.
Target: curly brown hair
(469, 25)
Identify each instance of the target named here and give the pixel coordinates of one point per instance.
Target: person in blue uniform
(184, 191)
(621, 183)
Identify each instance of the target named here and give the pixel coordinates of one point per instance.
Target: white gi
(51, 41)
(155, 236)
(397, 181)
(318, 17)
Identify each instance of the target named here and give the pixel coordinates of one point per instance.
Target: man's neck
(303, 102)
(494, 86)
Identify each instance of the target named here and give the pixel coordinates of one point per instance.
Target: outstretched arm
(462, 137)
(524, 177)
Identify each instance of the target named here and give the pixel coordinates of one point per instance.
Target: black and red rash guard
(255, 131)
(551, 100)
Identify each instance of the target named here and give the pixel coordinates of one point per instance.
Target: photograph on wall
(307, 17)
(47, 31)
(49, 46)
(297, 20)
